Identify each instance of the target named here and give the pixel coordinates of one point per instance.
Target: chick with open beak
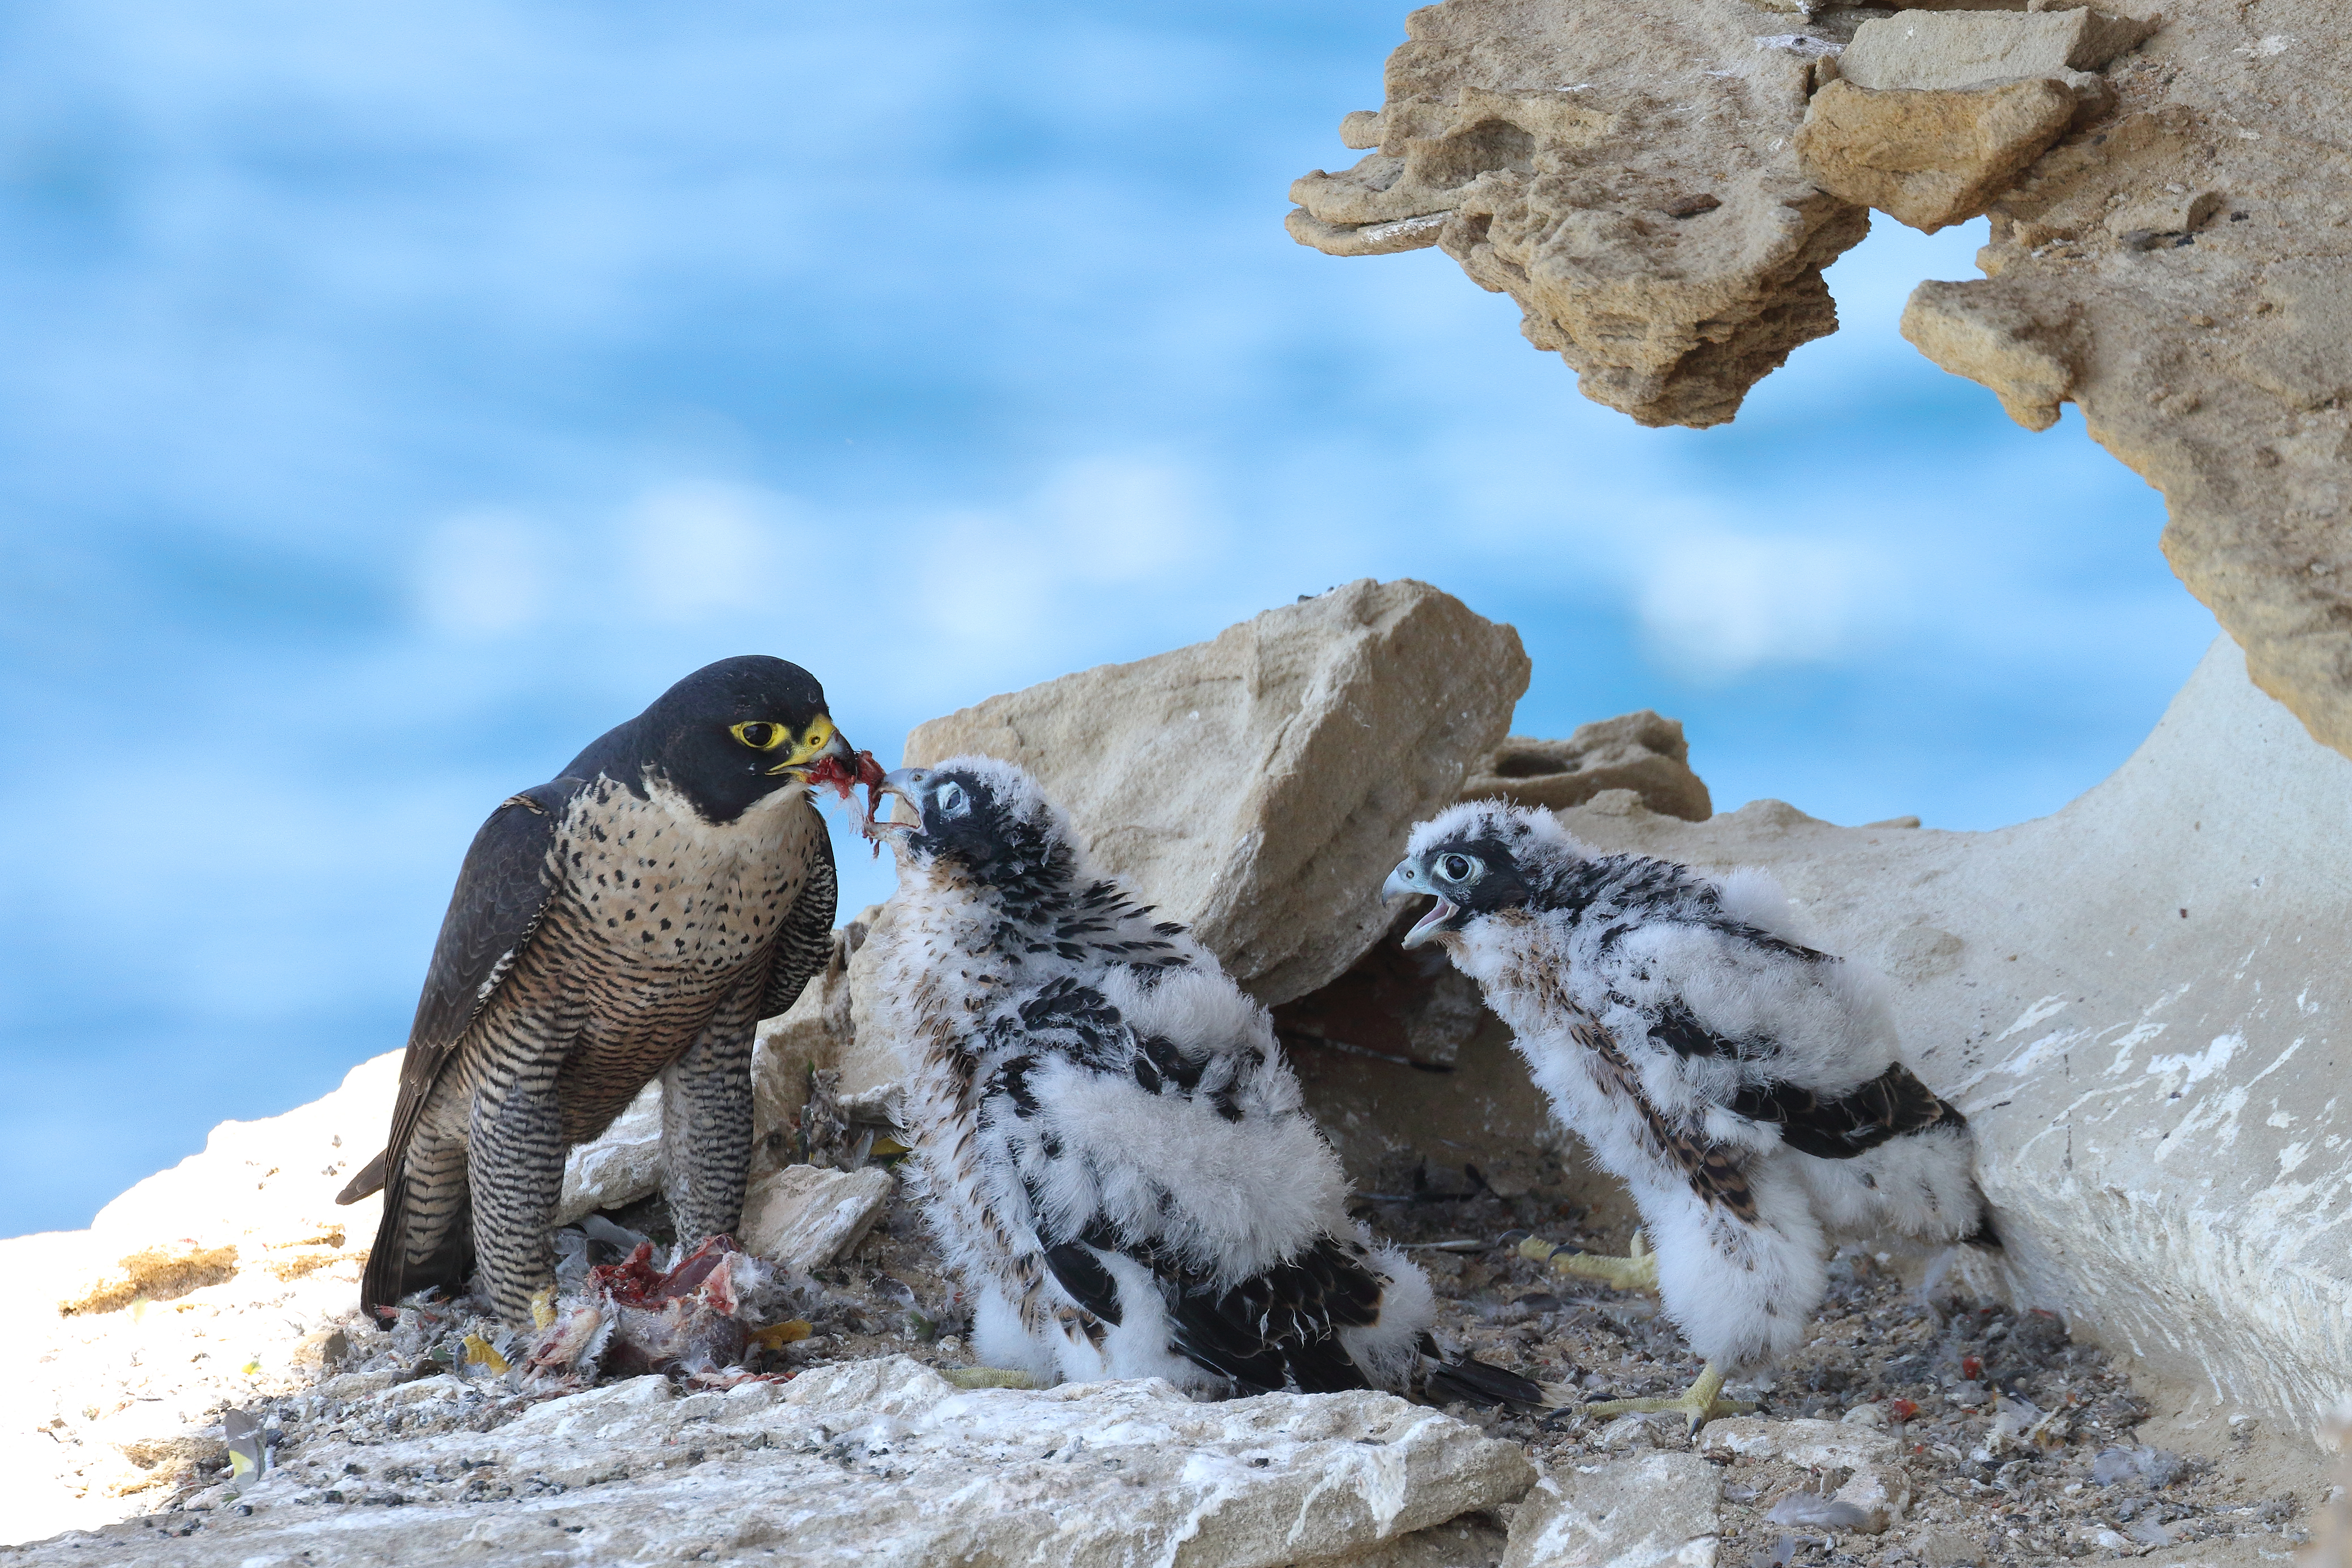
(1466, 880)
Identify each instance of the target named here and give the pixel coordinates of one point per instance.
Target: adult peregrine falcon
(635, 916)
(1112, 1150)
(1744, 1087)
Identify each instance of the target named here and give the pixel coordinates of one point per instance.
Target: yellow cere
(543, 1309)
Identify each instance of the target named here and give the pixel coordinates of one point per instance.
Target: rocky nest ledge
(2141, 1042)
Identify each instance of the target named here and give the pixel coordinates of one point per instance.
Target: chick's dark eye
(1456, 867)
(952, 800)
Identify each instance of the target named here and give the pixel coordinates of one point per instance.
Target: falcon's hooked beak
(1408, 879)
(818, 742)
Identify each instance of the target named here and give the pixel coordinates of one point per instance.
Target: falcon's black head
(987, 818)
(1482, 857)
(726, 737)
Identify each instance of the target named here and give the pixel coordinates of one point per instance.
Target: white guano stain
(2049, 1007)
(2204, 1064)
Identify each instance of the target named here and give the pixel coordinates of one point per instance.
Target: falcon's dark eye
(1458, 867)
(761, 736)
(952, 800)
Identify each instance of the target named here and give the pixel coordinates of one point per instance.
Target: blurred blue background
(392, 397)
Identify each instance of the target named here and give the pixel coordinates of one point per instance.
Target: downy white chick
(1112, 1149)
(1746, 1087)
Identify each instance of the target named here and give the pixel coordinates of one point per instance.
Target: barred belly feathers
(1747, 1087)
(1112, 1149)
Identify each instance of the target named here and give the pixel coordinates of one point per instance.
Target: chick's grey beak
(902, 783)
(1407, 880)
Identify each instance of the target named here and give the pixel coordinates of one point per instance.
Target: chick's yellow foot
(1636, 1271)
(986, 1377)
(1703, 1402)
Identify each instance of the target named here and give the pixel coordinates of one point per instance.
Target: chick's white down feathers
(1112, 1150)
(1747, 1088)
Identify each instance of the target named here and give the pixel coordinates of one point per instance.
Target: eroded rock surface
(1642, 752)
(1625, 172)
(2171, 191)
(880, 1460)
(1657, 1510)
(1255, 786)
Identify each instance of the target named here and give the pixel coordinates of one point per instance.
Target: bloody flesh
(843, 779)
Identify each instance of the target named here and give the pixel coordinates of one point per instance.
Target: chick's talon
(1700, 1403)
(1638, 1270)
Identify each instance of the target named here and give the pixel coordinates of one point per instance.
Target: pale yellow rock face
(1644, 753)
(1623, 171)
(2177, 262)
(1259, 787)
(1928, 157)
(1945, 49)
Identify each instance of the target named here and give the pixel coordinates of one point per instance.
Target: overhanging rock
(1625, 173)
(2140, 1004)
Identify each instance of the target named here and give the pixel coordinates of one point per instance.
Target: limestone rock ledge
(871, 1461)
(1625, 172)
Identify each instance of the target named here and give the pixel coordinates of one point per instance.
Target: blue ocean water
(392, 397)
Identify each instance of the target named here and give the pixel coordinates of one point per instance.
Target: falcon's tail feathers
(367, 1183)
(414, 1211)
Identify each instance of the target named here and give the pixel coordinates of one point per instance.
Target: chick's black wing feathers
(1277, 1330)
(502, 892)
(1888, 1106)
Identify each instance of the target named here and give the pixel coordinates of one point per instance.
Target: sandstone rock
(875, 1461)
(1978, 49)
(1928, 157)
(2030, 364)
(2192, 255)
(1641, 751)
(2178, 264)
(1935, 113)
(620, 1166)
(1256, 786)
(2133, 1001)
(804, 1216)
(1621, 171)
(1657, 1511)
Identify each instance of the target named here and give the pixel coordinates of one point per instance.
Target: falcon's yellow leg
(1701, 1403)
(986, 1377)
(1636, 1271)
